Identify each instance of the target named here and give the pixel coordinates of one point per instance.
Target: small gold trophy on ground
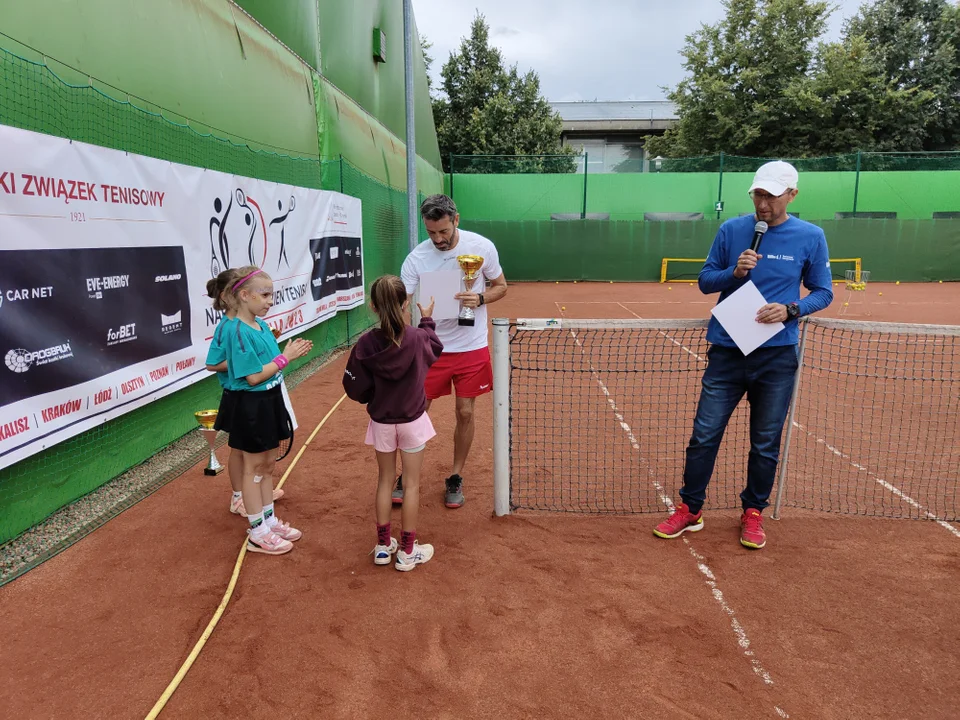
(207, 419)
(470, 264)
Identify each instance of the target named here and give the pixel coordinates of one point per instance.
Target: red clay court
(533, 615)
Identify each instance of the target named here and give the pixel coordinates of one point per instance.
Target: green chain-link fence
(905, 186)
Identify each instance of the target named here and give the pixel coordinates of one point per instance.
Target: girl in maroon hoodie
(386, 372)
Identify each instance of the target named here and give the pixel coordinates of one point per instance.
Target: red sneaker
(680, 522)
(751, 529)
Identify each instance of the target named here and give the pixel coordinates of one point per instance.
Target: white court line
(880, 481)
(678, 344)
(711, 581)
(638, 302)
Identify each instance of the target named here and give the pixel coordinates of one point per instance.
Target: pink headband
(243, 280)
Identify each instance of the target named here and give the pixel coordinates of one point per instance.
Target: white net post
(785, 455)
(501, 416)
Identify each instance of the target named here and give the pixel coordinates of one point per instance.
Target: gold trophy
(470, 264)
(206, 419)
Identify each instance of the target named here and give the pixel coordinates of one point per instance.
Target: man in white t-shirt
(465, 361)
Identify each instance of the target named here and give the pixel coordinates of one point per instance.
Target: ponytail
(216, 287)
(388, 295)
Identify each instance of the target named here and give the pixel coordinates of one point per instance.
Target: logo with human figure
(240, 234)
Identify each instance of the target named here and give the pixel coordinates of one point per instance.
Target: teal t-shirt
(248, 350)
(218, 351)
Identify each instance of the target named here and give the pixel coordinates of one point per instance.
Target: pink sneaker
(751, 529)
(285, 531)
(681, 521)
(268, 543)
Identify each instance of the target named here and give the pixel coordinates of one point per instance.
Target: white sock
(257, 525)
(237, 495)
(268, 517)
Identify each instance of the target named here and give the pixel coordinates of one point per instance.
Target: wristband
(281, 361)
(482, 301)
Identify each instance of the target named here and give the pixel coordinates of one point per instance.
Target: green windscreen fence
(35, 97)
(902, 186)
(544, 250)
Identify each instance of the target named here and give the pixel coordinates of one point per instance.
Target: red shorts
(470, 372)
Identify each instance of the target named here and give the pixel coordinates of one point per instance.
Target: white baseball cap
(775, 177)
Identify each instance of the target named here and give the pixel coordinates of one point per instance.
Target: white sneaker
(284, 530)
(382, 553)
(420, 555)
(268, 543)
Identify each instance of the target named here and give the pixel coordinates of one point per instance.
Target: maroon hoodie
(388, 378)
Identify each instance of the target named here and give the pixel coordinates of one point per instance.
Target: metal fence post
(720, 188)
(501, 416)
(586, 160)
(856, 187)
(452, 156)
(785, 455)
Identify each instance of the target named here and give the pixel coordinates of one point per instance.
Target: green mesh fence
(902, 186)
(541, 250)
(512, 164)
(34, 97)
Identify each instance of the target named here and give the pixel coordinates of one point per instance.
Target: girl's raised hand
(428, 310)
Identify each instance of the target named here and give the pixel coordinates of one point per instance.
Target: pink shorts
(409, 436)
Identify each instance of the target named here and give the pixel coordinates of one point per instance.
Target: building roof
(655, 110)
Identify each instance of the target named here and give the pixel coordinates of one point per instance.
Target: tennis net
(593, 416)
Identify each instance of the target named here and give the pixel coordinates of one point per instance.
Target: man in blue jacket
(793, 251)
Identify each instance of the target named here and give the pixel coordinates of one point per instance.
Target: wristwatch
(482, 301)
(793, 311)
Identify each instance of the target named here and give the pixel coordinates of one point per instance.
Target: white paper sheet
(738, 316)
(442, 285)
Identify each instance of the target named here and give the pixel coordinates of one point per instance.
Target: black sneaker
(397, 495)
(454, 495)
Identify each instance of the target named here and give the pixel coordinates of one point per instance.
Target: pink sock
(407, 539)
(383, 534)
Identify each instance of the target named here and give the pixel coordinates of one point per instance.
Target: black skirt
(225, 413)
(259, 420)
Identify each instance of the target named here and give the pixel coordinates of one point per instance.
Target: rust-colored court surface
(533, 615)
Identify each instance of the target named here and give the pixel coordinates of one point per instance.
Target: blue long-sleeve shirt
(793, 252)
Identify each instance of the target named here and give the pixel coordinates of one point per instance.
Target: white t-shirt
(426, 258)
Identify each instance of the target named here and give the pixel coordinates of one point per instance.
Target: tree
(425, 46)
(745, 77)
(850, 104)
(486, 109)
(917, 46)
(759, 84)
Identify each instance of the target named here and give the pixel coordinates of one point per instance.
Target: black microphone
(758, 230)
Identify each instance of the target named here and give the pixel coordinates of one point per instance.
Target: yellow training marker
(845, 304)
(563, 307)
(879, 293)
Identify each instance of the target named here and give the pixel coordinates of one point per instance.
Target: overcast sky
(594, 50)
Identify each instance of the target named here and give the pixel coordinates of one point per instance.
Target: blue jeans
(766, 376)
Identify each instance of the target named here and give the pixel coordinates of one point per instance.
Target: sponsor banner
(104, 260)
